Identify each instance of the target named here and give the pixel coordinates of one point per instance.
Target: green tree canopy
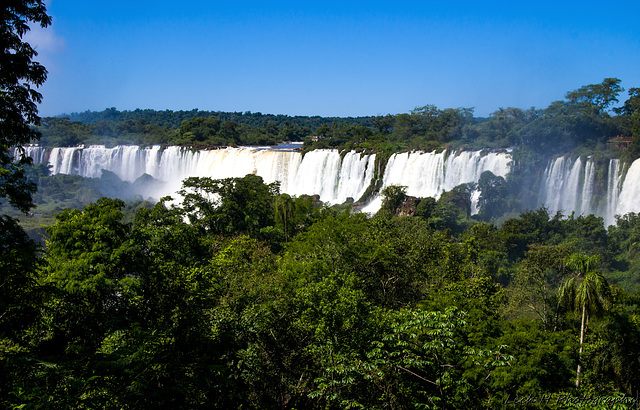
(19, 76)
(230, 206)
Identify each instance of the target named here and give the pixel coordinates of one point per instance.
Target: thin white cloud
(48, 44)
(44, 40)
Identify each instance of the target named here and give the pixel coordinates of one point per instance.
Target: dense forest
(236, 295)
(188, 128)
(175, 118)
(241, 296)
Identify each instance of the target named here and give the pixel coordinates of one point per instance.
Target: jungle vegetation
(240, 296)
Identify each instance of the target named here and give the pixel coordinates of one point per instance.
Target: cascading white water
(429, 174)
(587, 190)
(563, 185)
(127, 161)
(35, 152)
(350, 179)
(321, 172)
(629, 199)
(324, 173)
(567, 185)
(614, 179)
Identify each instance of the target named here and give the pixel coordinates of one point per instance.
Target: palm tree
(284, 208)
(587, 291)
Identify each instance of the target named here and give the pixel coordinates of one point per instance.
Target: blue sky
(331, 58)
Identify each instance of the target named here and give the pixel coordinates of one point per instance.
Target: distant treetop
(175, 118)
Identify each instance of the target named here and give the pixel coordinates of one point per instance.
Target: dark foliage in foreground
(213, 304)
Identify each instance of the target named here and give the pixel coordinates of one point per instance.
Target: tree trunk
(582, 330)
(544, 308)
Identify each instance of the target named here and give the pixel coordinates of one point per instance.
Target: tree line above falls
(584, 122)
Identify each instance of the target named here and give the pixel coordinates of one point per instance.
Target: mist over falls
(565, 185)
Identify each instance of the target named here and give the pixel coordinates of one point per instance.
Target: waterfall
(321, 172)
(429, 174)
(564, 183)
(629, 199)
(325, 172)
(587, 190)
(127, 161)
(614, 177)
(461, 168)
(567, 185)
(35, 152)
